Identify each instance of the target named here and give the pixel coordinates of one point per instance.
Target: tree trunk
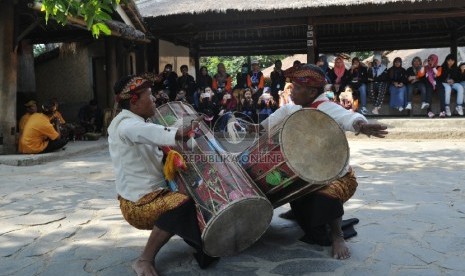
(8, 79)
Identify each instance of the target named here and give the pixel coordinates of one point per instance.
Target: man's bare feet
(144, 267)
(340, 249)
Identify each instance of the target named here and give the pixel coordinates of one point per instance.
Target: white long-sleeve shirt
(135, 154)
(345, 118)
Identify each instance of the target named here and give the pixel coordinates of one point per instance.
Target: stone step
(420, 128)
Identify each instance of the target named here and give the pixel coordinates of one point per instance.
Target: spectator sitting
(227, 106)
(358, 75)
(187, 83)
(248, 107)
(241, 77)
(377, 82)
(339, 75)
(266, 105)
(256, 80)
(277, 80)
(204, 80)
(161, 98)
(285, 95)
(398, 77)
(31, 108)
(91, 117)
(329, 92)
(181, 96)
(208, 105)
(415, 83)
(346, 99)
(67, 131)
(222, 81)
(450, 79)
(39, 135)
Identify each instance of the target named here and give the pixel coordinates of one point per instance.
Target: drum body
(302, 154)
(232, 212)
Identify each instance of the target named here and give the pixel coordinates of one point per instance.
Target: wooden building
(81, 69)
(219, 28)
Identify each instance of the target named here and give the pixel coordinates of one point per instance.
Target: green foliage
(233, 64)
(94, 12)
(362, 55)
(38, 49)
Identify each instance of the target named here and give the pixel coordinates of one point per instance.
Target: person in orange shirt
(57, 114)
(256, 80)
(222, 81)
(31, 108)
(39, 135)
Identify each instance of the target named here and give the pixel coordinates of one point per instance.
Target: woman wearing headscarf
(339, 75)
(450, 79)
(358, 76)
(377, 82)
(322, 62)
(431, 72)
(415, 83)
(397, 89)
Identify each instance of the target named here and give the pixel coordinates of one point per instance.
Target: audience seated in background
(377, 83)
(397, 89)
(39, 134)
(31, 108)
(415, 83)
(91, 117)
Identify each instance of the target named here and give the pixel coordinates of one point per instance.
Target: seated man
(322, 210)
(31, 108)
(91, 117)
(146, 202)
(39, 135)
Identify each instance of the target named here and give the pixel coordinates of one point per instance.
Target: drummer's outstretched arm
(377, 130)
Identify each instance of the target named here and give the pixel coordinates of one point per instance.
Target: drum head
(314, 145)
(237, 226)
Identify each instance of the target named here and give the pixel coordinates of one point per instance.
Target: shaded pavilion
(243, 28)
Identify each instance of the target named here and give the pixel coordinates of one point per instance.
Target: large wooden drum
(302, 154)
(232, 212)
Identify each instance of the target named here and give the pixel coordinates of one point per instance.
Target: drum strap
(316, 104)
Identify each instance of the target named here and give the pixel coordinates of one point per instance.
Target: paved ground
(62, 218)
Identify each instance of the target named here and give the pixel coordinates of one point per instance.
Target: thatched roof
(154, 8)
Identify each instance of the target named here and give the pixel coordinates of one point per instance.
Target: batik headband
(306, 75)
(134, 86)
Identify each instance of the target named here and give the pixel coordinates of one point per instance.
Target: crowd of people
(351, 87)
(216, 95)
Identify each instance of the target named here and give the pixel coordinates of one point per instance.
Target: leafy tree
(233, 63)
(94, 12)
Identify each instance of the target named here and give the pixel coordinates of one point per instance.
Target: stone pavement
(62, 218)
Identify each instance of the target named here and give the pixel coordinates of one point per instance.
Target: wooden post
(8, 78)
(194, 52)
(111, 69)
(312, 51)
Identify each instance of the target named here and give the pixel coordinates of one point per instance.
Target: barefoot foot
(340, 249)
(144, 267)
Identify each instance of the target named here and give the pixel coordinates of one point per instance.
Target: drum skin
(232, 212)
(314, 145)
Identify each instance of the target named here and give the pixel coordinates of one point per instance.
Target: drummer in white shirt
(145, 200)
(323, 209)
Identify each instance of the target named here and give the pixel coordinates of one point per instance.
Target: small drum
(232, 212)
(304, 153)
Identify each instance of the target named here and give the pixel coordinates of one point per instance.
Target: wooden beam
(388, 17)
